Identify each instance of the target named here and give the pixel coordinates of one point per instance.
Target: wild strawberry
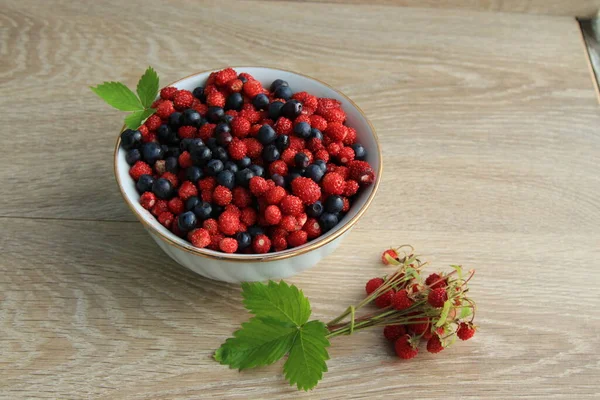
(222, 195)
(186, 132)
(183, 99)
(250, 114)
(393, 332)
(211, 225)
(297, 238)
(234, 86)
(139, 168)
(297, 143)
(306, 189)
(160, 207)
(164, 109)
(373, 285)
(280, 243)
(301, 218)
(346, 206)
(252, 88)
(233, 209)
(315, 144)
(275, 195)
(325, 104)
(206, 131)
(336, 131)
(404, 348)
(176, 205)
(261, 244)
(435, 281)
(345, 155)
(465, 331)
(322, 155)
(361, 172)
(187, 190)
(216, 99)
(283, 126)
(437, 297)
(434, 344)
(148, 200)
(172, 178)
(241, 197)
(246, 76)
(237, 149)
(350, 138)
(401, 301)
(185, 160)
(334, 115)
(166, 219)
(384, 299)
(215, 240)
(224, 76)
(153, 122)
(291, 205)
(206, 195)
(350, 188)
(272, 215)
(307, 100)
(207, 183)
(248, 216)
(160, 167)
(201, 108)
(258, 186)
(278, 167)
(228, 223)
(287, 156)
(199, 237)
(332, 183)
(228, 245)
(318, 122)
(334, 148)
(253, 147)
(289, 223)
(240, 127)
(168, 92)
(312, 228)
(302, 118)
(389, 253)
(421, 327)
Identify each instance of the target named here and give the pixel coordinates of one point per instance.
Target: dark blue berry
(164, 148)
(131, 139)
(360, 153)
(203, 210)
(175, 120)
(254, 230)
(173, 151)
(266, 134)
(291, 109)
(212, 143)
(260, 101)
(144, 184)
(283, 92)
(315, 133)
(276, 83)
(274, 110)
(278, 179)
(226, 178)
(231, 166)
(234, 101)
(257, 169)
(243, 177)
(301, 160)
(242, 78)
(199, 93)
(194, 174)
(223, 134)
(133, 156)
(244, 162)
(227, 118)
(302, 129)
(270, 153)
(244, 239)
(152, 152)
(322, 164)
(282, 142)
(291, 176)
(200, 155)
(162, 188)
(216, 210)
(334, 204)
(315, 209)
(214, 167)
(172, 165)
(191, 117)
(165, 134)
(187, 221)
(191, 203)
(214, 114)
(220, 154)
(184, 144)
(314, 172)
(328, 221)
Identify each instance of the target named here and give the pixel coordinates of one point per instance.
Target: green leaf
(391, 260)
(444, 314)
(136, 118)
(118, 95)
(459, 270)
(465, 312)
(277, 301)
(258, 343)
(306, 362)
(147, 87)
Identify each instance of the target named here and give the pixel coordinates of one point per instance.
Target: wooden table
(489, 126)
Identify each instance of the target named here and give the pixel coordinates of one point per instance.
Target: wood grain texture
(576, 8)
(489, 128)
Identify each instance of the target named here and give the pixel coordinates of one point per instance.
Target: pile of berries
(435, 310)
(236, 167)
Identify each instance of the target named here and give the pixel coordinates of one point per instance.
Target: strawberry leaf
(136, 118)
(277, 301)
(444, 314)
(118, 96)
(147, 87)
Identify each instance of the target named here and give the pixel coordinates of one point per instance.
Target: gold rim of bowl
(278, 255)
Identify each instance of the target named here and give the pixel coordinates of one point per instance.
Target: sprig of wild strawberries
(436, 309)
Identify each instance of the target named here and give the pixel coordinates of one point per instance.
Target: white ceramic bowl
(259, 267)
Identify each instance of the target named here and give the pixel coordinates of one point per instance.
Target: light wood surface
(489, 125)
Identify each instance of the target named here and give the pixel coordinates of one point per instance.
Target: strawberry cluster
(435, 310)
(237, 167)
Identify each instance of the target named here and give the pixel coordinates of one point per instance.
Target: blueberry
(257, 169)
(282, 142)
(315, 209)
(278, 179)
(184, 144)
(276, 83)
(191, 203)
(187, 221)
(334, 204)
(191, 117)
(291, 109)
(173, 151)
(328, 221)
(165, 134)
(212, 143)
(244, 162)
(297, 170)
(322, 164)
(196, 142)
(203, 210)
(314, 172)
(164, 148)
(200, 155)
(144, 184)
(234, 101)
(315, 133)
(151, 152)
(254, 230)
(199, 93)
(260, 101)
(223, 134)
(214, 167)
(220, 154)
(133, 156)
(226, 178)
(175, 120)
(230, 166)
(172, 165)
(243, 177)
(131, 139)
(244, 239)
(216, 211)
(270, 153)
(194, 174)
(291, 176)
(227, 118)
(302, 129)
(242, 78)
(301, 160)
(283, 92)
(214, 114)
(359, 151)
(274, 110)
(162, 188)
(266, 134)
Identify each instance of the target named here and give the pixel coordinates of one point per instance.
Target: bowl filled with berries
(251, 173)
